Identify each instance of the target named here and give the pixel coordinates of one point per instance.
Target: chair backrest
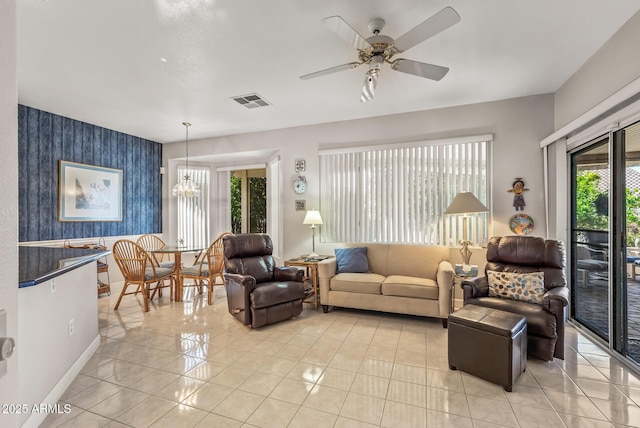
(522, 254)
(131, 259)
(213, 259)
(152, 243)
(249, 254)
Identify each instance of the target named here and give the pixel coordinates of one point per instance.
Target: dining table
(177, 251)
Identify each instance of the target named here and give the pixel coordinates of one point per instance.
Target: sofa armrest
(476, 287)
(444, 278)
(288, 274)
(326, 270)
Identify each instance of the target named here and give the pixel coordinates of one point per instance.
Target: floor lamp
(465, 203)
(313, 218)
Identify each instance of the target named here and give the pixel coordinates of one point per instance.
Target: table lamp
(465, 203)
(313, 218)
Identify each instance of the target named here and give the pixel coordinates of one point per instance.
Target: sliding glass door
(630, 337)
(590, 237)
(605, 239)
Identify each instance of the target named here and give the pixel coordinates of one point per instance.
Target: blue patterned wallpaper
(45, 138)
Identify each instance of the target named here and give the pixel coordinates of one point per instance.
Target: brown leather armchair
(258, 292)
(523, 254)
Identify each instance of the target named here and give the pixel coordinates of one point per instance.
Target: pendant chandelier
(186, 188)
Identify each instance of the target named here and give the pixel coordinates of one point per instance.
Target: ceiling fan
(379, 49)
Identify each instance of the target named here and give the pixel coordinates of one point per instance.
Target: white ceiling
(99, 61)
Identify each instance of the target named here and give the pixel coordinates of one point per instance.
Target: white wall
(50, 358)
(615, 65)
(9, 197)
(612, 68)
(517, 125)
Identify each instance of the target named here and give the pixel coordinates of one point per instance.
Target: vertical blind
(399, 193)
(193, 213)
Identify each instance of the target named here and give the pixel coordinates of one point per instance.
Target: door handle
(7, 345)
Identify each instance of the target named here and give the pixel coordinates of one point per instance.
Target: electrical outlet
(53, 286)
(72, 327)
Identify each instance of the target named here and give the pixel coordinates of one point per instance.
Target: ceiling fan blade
(429, 28)
(346, 32)
(420, 69)
(369, 86)
(330, 70)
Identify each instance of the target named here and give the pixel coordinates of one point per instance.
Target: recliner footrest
(273, 293)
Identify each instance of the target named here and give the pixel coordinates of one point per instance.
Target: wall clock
(300, 184)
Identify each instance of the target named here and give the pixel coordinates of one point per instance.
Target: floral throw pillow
(526, 287)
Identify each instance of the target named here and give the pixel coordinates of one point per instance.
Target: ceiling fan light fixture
(379, 48)
(369, 86)
(375, 62)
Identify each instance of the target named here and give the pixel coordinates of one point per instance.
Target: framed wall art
(89, 193)
(301, 205)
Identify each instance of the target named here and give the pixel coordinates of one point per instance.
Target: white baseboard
(54, 396)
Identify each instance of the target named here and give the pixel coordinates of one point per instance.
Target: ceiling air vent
(252, 101)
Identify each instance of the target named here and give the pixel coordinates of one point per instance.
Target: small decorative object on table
(466, 270)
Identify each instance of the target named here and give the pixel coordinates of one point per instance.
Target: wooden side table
(311, 274)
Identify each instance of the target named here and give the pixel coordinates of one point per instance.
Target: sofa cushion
(527, 287)
(353, 260)
(357, 282)
(410, 286)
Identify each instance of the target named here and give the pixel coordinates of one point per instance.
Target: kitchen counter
(40, 264)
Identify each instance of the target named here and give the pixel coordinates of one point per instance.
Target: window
(249, 201)
(193, 213)
(398, 193)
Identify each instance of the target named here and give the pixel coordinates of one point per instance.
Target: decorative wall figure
(518, 190)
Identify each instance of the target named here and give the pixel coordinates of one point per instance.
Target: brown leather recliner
(522, 254)
(258, 292)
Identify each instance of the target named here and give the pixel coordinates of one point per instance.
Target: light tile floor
(188, 364)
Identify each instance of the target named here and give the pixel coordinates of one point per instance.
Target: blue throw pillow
(353, 260)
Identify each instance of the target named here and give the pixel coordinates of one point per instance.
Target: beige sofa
(406, 279)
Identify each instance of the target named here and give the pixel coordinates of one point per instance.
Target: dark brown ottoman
(488, 343)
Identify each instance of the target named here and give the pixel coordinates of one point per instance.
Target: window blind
(193, 213)
(399, 193)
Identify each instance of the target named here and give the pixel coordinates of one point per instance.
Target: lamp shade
(466, 203)
(312, 217)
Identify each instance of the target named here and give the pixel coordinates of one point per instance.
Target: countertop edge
(61, 271)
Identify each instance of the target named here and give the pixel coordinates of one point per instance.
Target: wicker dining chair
(207, 268)
(152, 243)
(139, 270)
